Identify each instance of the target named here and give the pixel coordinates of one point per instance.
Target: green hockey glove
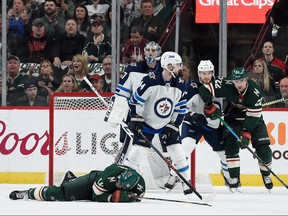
(245, 138)
(211, 111)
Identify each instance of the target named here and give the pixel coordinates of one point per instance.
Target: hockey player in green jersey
(117, 183)
(244, 115)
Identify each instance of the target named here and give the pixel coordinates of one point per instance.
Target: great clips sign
(238, 11)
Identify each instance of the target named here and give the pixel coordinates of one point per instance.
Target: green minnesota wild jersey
(250, 100)
(105, 183)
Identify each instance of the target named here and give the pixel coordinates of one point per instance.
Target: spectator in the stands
(68, 84)
(31, 97)
(54, 23)
(163, 9)
(79, 69)
(124, 33)
(18, 29)
(133, 48)
(65, 8)
(131, 10)
(152, 27)
(70, 43)
(97, 8)
(35, 8)
(283, 87)
(46, 80)
(82, 18)
(107, 76)
(97, 44)
(97, 82)
(276, 67)
(40, 45)
(262, 77)
(15, 79)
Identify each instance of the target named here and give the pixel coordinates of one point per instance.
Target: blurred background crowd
(53, 44)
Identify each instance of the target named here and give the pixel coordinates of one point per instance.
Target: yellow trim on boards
(217, 179)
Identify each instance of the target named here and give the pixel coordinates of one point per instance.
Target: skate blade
(235, 190)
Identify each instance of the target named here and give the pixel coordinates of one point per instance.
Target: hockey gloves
(211, 111)
(195, 118)
(170, 134)
(136, 124)
(123, 196)
(245, 138)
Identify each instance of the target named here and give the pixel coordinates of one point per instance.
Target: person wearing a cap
(244, 115)
(40, 45)
(15, 79)
(97, 82)
(97, 44)
(31, 97)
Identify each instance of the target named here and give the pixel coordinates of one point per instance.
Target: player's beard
(180, 73)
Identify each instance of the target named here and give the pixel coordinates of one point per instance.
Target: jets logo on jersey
(152, 75)
(163, 107)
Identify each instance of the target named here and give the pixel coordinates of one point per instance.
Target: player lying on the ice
(117, 183)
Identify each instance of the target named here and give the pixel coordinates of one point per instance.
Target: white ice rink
(252, 201)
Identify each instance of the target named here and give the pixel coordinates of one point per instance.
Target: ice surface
(252, 201)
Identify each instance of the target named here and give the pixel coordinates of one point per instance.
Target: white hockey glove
(117, 111)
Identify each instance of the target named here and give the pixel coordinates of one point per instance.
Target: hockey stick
(123, 124)
(168, 162)
(274, 102)
(250, 150)
(170, 200)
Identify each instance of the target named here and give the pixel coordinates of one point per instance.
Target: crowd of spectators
(59, 39)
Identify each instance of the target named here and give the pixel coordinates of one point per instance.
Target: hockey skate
(14, 195)
(267, 182)
(229, 182)
(234, 185)
(69, 176)
(171, 183)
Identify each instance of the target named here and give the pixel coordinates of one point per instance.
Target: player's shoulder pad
(136, 67)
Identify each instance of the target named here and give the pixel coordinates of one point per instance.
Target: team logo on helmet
(163, 107)
(238, 73)
(129, 179)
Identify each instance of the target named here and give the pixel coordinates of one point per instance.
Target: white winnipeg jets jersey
(159, 102)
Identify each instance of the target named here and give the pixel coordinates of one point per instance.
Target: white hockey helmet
(169, 59)
(205, 66)
(156, 49)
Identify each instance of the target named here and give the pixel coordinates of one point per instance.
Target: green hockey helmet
(128, 179)
(238, 73)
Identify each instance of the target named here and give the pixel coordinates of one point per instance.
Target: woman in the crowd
(81, 15)
(262, 77)
(68, 84)
(79, 69)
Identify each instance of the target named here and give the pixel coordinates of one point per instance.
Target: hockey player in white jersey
(196, 124)
(130, 80)
(158, 107)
